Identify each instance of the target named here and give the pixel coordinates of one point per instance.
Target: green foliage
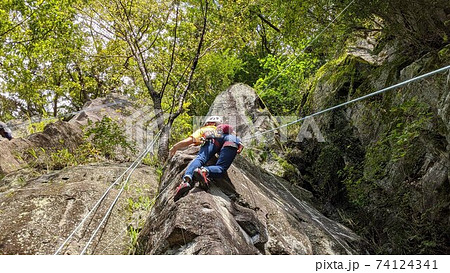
(406, 122)
(36, 127)
(249, 153)
(59, 159)
(325, 170)
(251, 68)
(37, 44)
(133, 234)
(289, 170)
(357, 188)
(280, 88)
(410, 120)
(216, 73)
(62, 158)
(181, 128)
(107, 136)
(150, 160)
(385, 193)
(141, 204)
(153, 160)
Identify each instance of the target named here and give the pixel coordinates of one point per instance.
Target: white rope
(354, 100)
(141, 155)
(138, 161)
(113, 240)
(313, 217)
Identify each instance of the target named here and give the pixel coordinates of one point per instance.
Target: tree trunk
(163, 150)
(55, 105)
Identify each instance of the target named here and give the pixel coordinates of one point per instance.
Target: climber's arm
(182, 144)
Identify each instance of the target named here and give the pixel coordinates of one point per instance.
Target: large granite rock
(241, 107)
(248, 212)
(41, 206)
(385, 160)
(37, 215)
(15, 154)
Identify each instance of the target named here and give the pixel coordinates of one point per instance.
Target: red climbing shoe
(201, 175)
(182, 190)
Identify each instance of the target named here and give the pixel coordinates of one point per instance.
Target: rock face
(37, 215)
(385, 159)
(40, 207)
(16, 153)
(241, 107)
(248, 212)
(135, 119)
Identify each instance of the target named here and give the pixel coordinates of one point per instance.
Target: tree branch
(194, 64)
(268, 22)
(172, 57)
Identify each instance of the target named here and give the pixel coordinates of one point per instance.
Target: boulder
(41, 206)
(241, 107)
(37, 215)
(250, 211)
(16, 153)
(136, 119)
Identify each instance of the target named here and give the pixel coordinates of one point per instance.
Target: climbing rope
(132, 167)
(138, 162)
(353, 100)
(313, 217)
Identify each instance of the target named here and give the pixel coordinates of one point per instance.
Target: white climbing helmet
(215, 119)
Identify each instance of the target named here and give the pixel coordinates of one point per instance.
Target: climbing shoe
(201, 175)
(182, 189)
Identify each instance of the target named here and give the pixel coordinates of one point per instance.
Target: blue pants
(206, 152)
(226, 157)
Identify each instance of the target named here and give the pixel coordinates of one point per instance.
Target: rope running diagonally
(310, 213)
(341, 105)
(353, 100)
(133, 165)
(138, 162)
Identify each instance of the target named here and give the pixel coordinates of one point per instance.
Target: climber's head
(213, 120)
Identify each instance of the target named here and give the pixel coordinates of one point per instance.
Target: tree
(157, 37)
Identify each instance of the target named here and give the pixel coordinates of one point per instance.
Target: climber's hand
(240, 148)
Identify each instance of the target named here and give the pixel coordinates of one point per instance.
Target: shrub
(107, 136)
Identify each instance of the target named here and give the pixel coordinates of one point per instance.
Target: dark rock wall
(384, 165)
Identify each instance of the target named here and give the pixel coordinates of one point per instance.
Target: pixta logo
(142, 126)
(264, 128)
(309, 130)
